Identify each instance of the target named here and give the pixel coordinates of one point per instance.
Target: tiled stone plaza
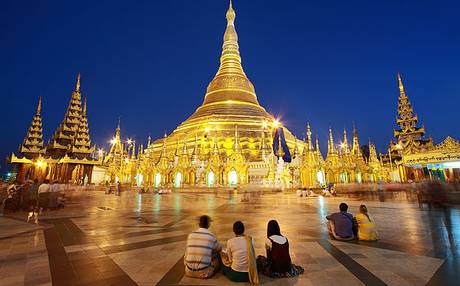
(134, 239)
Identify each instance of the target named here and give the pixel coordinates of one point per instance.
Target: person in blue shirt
(340, 224)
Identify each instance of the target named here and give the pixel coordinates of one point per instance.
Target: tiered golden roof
(32, 146)
(71, 137)
(409, 136)
(81, 145)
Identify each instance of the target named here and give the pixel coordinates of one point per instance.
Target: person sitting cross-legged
(277, 264)
(366, 225)
(340, 224)
(202, 253)
(239, 261)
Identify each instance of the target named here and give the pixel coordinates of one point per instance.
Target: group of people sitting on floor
(343, 226)
(205, 256)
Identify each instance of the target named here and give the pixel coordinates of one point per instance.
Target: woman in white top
(238, 266)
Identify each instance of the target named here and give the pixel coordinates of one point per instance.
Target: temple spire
(318, 151)
(77, 86)
(65, 135)
(39, 106)
(330, 143)
(230, 81)
(309, 140)
(409, 136)
(32, 146)
(402, 93)
(345, 142)
(356, 148)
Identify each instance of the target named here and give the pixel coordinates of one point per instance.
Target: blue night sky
(331, 63)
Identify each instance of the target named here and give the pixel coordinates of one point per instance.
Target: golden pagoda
(226, 134)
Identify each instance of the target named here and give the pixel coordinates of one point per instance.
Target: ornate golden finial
(317, 144)
(401, 86)
(77, 87)
(117, 131)
(230, 81)
(230, 15)
(331, 142)
(84, 107)
(345, 141)
(309, 140)
(39, 105)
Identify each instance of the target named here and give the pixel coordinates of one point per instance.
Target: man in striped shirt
(202, 254)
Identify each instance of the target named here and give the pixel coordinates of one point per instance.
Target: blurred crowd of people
(32, 196)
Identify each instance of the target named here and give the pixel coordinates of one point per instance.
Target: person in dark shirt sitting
(278, 261)
(340, 224)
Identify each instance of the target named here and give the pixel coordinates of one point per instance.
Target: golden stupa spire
(230, 81)
(309, 141)
(345, 142)
(77, 87)
(318, 151)
(117, 131)
(330, 144)
(401, 86)
(32, 145)
(39, 106)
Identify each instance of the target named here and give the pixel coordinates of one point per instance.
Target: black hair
(36, 181)
(363, 210)
(238, 228)
(273, 228)
(343, 207)
(204, 221)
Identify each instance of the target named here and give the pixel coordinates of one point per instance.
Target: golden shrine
(417, 158)
(228, 141)
(67, 158)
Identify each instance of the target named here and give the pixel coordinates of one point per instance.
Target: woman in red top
(278, 261)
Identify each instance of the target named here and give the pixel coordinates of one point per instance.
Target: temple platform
(134, 239)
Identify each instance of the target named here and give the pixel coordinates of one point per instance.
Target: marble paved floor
(137, 239)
